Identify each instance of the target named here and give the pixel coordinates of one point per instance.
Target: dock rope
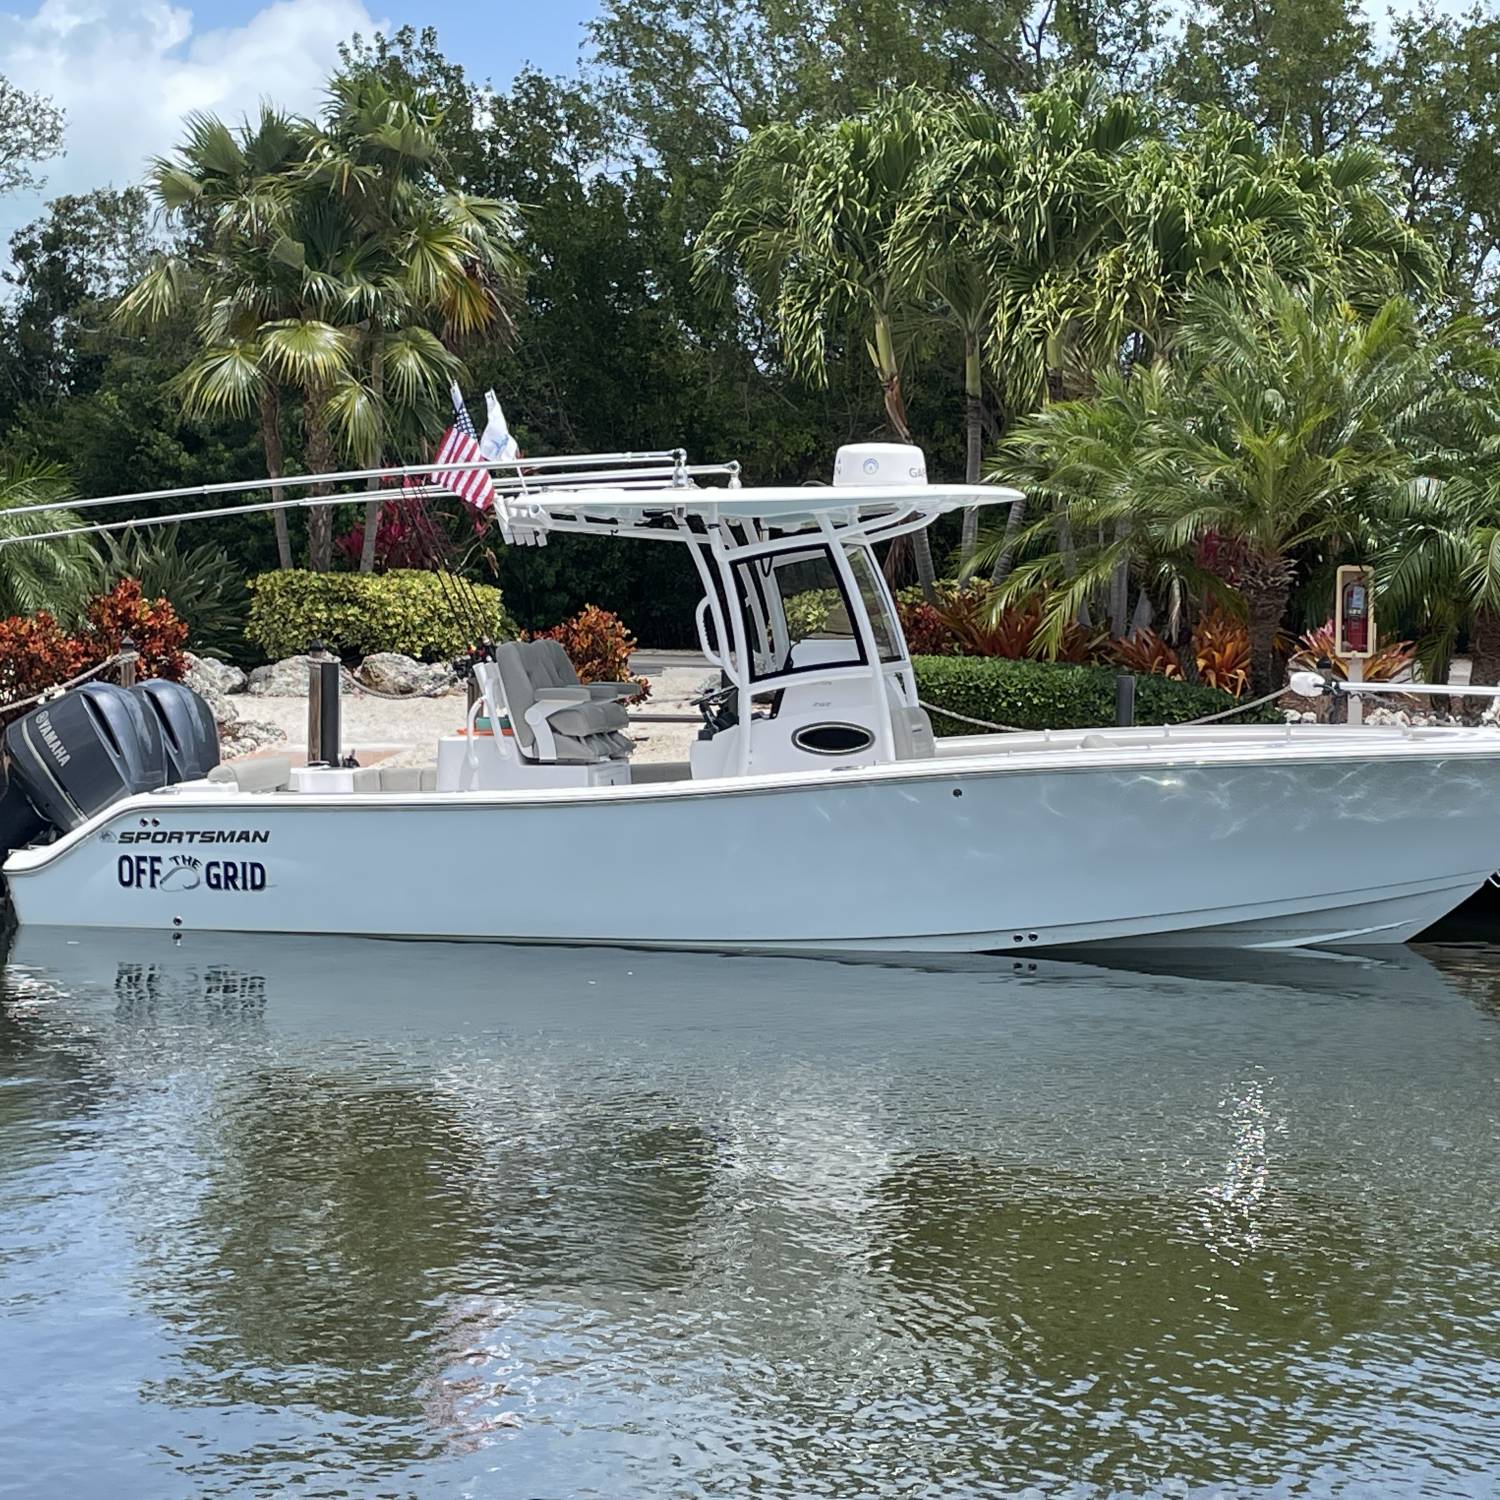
(440, 691)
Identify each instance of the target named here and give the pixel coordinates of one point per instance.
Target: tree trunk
(974, 411)
(319, 461)
(1484, 658)
(1266, 606)
(1484, 650)
(883, 352)
(1007, 558)
(270, 441)
(372, 507)
(1119, 589)
(1062, 524)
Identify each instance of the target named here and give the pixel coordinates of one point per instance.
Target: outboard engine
(189, 735)
(73, 756)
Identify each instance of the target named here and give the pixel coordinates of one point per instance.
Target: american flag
(460, 445)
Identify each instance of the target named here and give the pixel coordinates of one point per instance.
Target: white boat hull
(1220, 846)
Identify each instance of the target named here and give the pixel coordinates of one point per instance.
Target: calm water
(324, 1218)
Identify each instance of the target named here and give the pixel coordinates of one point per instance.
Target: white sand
(406, 733)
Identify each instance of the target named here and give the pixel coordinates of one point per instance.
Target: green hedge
(1054, 695)
(355, 614)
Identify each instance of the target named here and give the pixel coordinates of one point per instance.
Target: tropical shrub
(55, 576)
(1053, 695)
(925, 629)
(1221, 644)
(807, 613)
(408, 536)
(1147, 653)
(36, 653)
(202, 585)
(981, 628)
(1315, 646)
(599, 646)
(152, 624)
(355, 614)
(1221, 650)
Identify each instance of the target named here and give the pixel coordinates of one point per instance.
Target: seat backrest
(548, 665)
(516, 684)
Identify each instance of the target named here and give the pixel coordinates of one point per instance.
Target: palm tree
(1004, 214)
(57, 576)
(319, 259)
(1284, 423)
(414, 249)
(1442, 556)
(226, 189)
(808, 213)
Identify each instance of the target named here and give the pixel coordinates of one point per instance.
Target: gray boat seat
(554, 718)
(261, 773)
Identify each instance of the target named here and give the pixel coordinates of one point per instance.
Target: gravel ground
(406, 733)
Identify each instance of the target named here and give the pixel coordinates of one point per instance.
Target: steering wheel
(720, 708)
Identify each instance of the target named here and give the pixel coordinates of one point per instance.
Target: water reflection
(330, 1217)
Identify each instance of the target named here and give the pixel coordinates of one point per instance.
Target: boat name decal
(182, 872)
(194, 836)
(50, 738)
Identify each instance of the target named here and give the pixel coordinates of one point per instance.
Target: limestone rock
(281, 679)
(222, 675)
(390, 672)
(245, 736)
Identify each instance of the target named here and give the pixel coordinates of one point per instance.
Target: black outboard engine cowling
(75, 755)
(188, 731)
(20, 822)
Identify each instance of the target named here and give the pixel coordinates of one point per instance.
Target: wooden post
(128, 665)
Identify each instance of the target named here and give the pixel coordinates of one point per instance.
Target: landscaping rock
(281, 679)
(390, 672)
(221, 675)
(246, 736)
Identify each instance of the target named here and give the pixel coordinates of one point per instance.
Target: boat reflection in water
(319, 1214)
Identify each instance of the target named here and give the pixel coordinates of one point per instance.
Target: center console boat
(817, 811)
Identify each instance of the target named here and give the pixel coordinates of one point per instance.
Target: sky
(126, 71)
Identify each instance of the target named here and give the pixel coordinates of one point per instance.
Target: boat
(817, 811)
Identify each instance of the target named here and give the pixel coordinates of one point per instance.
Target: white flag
(521, 523)
(495, 441)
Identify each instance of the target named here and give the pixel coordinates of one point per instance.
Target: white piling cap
(879, 463)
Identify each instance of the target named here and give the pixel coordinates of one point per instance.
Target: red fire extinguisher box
(1354, 612)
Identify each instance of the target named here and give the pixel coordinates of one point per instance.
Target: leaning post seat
(554, 718)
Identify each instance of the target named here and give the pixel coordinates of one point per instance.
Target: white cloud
(126, 71)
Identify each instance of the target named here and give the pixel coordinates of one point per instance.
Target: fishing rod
(648, 483)
(265, 507)
(678, 472)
